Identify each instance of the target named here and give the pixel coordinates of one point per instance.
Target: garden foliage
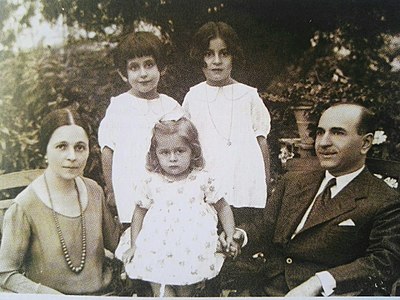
(317, 52)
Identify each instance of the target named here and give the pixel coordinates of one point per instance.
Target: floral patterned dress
(178, 240)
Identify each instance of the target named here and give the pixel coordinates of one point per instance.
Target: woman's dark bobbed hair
(56, 119)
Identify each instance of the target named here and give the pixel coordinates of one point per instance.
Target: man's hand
(311, 287)
(238, 237)
(232, 247)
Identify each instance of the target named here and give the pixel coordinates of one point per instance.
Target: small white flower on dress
(192, 177)
(158, 190)
(147, 180)
(170, 203)
(212, 188)
(194, 272)
(379, 137)
(181, 263)
(149, 269)
(180, 190)
(201, 258)
(208, 245)
(192, 200)
(188, 251)
(203, 187)
(210, 180)
(202, 213)
(169, 255)
(212, 267)
(140, 203)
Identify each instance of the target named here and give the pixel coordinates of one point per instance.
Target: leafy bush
(346, 66)
(36, 82)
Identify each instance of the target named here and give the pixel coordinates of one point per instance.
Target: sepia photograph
(199, 149)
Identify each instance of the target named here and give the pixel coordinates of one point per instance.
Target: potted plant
(345, 66)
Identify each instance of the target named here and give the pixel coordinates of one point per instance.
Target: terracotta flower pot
(303, 121)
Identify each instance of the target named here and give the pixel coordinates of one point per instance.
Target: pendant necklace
(227, 139)
(67, 257)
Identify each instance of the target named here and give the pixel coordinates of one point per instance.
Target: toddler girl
(125, 131)
(232, 121)
(174, 226)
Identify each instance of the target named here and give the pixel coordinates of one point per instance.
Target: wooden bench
(11, 181)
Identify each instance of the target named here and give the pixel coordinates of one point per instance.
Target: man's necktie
(321, 201)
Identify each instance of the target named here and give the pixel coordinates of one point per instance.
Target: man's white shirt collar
(341, 181)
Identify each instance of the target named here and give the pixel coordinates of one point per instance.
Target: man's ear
(122, 76)
(367, 142)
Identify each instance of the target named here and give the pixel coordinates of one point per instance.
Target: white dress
(127, 130)
(229, 119)
(178, 240)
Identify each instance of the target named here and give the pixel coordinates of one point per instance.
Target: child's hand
(128, 255)
(232, 247)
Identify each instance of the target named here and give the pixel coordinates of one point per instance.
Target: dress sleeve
(143, 196)
(185, 104)
(212, 190)
(260, 116)
(14, 246)
(107, 128)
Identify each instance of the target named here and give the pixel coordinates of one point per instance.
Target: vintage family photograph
(199, 148)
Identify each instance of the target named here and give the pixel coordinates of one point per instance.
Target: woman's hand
(128, 255)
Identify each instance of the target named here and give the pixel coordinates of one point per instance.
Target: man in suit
(350, 244)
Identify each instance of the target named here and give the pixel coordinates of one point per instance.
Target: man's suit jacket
(363, 259)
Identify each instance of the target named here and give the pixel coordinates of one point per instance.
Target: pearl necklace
(227, 139)
(61, 237)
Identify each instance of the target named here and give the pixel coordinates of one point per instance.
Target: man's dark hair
(366, 123)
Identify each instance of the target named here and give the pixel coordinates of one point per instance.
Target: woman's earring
(46, 160)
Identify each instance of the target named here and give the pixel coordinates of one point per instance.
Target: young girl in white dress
(125, 131)
(174, 226)
(232, 121)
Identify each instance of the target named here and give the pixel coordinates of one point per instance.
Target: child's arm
(225, 215)
(136, 226)
(262, 142)
(106, 161)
